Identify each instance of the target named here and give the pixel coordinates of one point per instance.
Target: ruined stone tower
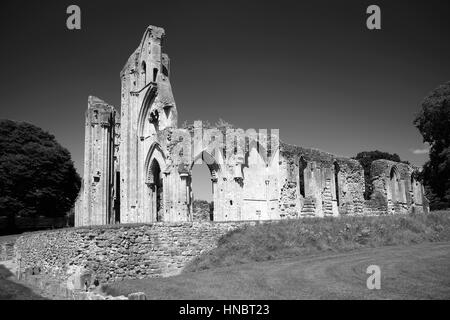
(117, 144)
(148, 107)
(98, 182)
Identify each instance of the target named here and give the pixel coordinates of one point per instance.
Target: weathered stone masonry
(396, 189)
(131, 174)
(118, 252)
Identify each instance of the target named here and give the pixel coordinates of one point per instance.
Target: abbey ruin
(133, 172)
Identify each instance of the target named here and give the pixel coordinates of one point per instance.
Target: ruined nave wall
(244, 188)
(317, 183)
(396, 189)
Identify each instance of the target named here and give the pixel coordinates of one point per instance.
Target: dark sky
(311, 69)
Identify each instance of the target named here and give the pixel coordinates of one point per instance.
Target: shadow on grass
(12, 290)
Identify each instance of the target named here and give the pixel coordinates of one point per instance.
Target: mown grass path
(407, 272)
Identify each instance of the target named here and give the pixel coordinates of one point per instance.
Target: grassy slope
(304, 237)
(407, 272)
(314, 261)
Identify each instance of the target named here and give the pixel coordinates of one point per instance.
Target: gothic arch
(415, 188)
(336, 170)
(155, 153)
(214, 165)
(394, 183)
(143, 73)
(212, 162)
(147, 102)
(302, 165)
(154, 184)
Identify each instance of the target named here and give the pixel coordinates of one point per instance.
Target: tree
(202, 210)
(433, 122)
(37, 175)
(366, 158)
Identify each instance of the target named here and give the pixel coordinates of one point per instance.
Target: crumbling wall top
(99, 111)
(153, 32)
(383, 168)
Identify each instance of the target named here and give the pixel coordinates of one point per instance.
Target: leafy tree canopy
(37, 175)
(433, 122)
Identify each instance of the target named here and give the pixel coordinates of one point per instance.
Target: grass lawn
(407, 272)
(316, 258)
(303, 237)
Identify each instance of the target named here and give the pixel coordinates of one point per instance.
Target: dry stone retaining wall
(111, 253)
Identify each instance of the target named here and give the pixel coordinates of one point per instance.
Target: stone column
(98, 161)
(184, 196)
(216, 201)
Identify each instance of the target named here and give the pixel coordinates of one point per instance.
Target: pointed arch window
(336, 181)
(144, 73)
(301, 169)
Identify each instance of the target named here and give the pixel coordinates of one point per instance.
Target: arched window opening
(202, 186)
(156, 185)
(117, 198)
(412, 184)
(154, 119)
(165, 71)
(336, 181)
(412, 188)
(167, 110)
(155, 74)
(301, 169)
(394, 180)
(144, 73)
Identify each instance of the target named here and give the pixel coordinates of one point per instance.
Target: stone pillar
(98, 159)
(184, 196)
(216, 202)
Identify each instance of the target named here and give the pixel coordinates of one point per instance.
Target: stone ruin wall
(112, 253)
(245, 188)
(317, 183)
(334, 186)
(125, 149)
(396, 189)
